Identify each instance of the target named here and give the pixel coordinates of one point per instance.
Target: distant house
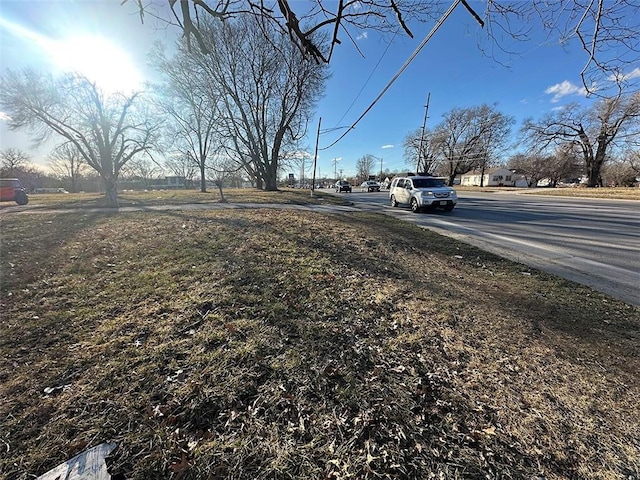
(175, 182)
(493, 177)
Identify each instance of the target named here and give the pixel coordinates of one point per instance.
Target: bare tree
(364, 165)
(468, 137)
(564, 163)
(619, 173)
(596, 26)
(418, 144)
(68, 164)
(191, 105)
(632, 158)
(144, 170)
(182, 165)
(593, 130)
(302, 28)
(532, 167)
(107, 131)
(13, 159)
(268, 90)
(222, 169)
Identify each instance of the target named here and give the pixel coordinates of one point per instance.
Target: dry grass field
(176, 197)
(282, 344)
(621, 193)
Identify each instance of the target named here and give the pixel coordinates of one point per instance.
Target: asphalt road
(594, 242)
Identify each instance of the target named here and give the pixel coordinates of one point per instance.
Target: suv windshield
(10, 183)
(427, 183)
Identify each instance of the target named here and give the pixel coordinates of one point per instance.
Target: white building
(493, 177)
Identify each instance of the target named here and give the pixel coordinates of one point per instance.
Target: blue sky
(454, 71)
(451, 68)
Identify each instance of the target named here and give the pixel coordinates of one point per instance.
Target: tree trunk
(74, 183)
(203, 180)
(111, 191)
(270, 178)
(594, 178)
(452, 177)
(222, 199)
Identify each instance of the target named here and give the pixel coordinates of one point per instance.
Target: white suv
(421, 193)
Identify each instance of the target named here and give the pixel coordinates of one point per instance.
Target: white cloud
(387, 146)
(4, 117)
(364, 35)
(635, 73)
(563, 89)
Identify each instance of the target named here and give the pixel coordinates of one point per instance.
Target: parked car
(11, 190)
(370, 186)
(422, 193)
(343, 186)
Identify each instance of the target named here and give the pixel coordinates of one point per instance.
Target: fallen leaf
(180, 467)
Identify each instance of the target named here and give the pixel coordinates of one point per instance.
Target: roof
(488, 171)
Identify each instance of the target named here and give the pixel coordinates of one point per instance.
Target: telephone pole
(315, 158)
(335, 167)
(424, 123)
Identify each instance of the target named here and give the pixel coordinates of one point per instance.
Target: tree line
(574, 141)
(241, 106)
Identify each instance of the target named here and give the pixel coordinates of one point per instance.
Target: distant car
(343, 186)
(422, 193)
(11, 190)
(370, 186)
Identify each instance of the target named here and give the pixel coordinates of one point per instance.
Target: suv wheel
(394, 203)
(21, 198)
(415, 208)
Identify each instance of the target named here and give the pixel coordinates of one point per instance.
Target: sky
(451, 69)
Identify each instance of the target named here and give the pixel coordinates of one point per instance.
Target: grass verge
(620, 193)
(285, 344)
(286, 196)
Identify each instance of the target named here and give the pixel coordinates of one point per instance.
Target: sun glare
(99, 60)
(93, 56)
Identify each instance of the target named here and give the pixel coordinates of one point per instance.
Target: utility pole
(381, 169)
(424, 123)
(315, 158)
(335, 168)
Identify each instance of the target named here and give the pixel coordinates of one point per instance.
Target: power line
(402, 69)
(368, 79)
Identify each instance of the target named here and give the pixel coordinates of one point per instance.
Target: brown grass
(286, 344)
(621, 193)
(287, 196)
